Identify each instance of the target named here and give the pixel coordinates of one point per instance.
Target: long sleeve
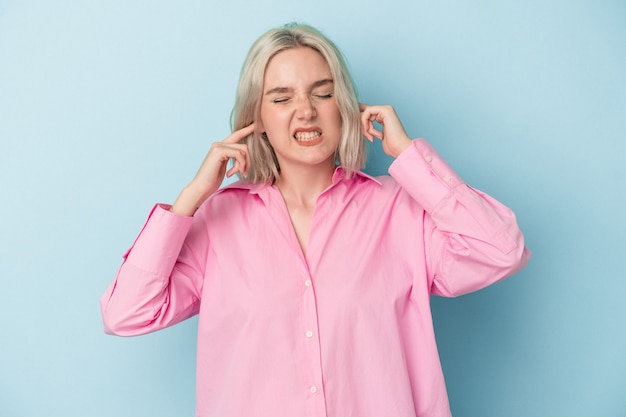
(471, 239)
(160, 280)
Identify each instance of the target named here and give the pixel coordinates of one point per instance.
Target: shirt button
(447, 179)
(309, 334)
(307, 282)
(428, 158)
(313, 389)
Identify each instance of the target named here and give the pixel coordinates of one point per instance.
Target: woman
(311, 279)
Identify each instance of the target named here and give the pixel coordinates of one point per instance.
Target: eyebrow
(316, 84)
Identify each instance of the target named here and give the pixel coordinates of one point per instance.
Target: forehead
(296, 66)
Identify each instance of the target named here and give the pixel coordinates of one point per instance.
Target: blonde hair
(351, 152)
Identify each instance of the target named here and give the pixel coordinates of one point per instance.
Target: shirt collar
(340, 175)
(255, 188)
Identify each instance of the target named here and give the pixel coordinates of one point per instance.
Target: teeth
(306, 136)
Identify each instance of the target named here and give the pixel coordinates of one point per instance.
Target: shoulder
(231, 198)
(382, 191)
(371, 190)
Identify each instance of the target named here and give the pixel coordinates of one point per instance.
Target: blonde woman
(312, 279)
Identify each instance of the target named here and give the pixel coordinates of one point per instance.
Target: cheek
(270, 120)
(335, 117)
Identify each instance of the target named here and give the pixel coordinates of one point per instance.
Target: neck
(302, 185)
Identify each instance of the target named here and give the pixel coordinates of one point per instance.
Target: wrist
(188, 201)
(402, 146)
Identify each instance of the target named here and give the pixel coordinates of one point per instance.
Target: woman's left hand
(394, 138)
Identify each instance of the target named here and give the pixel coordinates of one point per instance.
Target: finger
(372, 114)
(367, 125)
(365, 131)
(225, 151)
(241, 163)
(376, 113)
(369, 113)
(248, 162)
(371, 130)
(237, 160)
(237, 135)
(243, 158)
(220, 154)
(232, 171)
(365, 128)
(366, 111)
(237, 167)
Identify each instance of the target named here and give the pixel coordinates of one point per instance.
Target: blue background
(108, 107)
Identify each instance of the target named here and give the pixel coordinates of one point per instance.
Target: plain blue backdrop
(108, 107)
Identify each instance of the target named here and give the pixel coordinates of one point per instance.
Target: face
(299, 112)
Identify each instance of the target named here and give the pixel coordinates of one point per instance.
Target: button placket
(315, 403)
(313, 389)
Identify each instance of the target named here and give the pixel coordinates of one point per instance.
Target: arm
(160, 281)
(471, 239)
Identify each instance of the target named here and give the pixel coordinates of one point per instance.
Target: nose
(305, 108)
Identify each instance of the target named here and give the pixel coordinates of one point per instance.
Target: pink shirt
(345, 331)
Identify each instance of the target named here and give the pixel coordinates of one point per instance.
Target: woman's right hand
(212, 171)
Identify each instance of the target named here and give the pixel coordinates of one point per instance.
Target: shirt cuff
(423, 173)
